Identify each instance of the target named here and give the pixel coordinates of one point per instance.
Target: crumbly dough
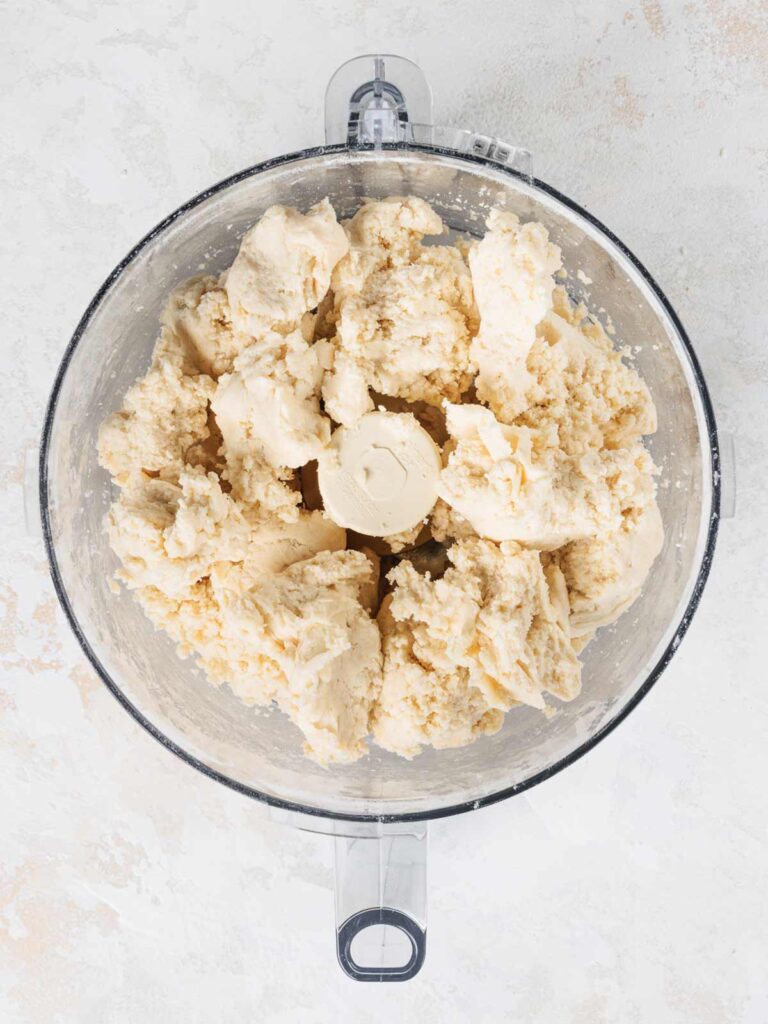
(269, 403)
(507, 489)
(581, 395)
(276, 544)
(170, 536)
(462, 650)
(544, 529)
(605, 574)
(300, 637)
(163, 415)
(198, 319)
(311, 625)
(283, 268)
(404, 312)
(512, 275)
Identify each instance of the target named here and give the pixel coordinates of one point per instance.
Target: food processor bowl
(378, 806)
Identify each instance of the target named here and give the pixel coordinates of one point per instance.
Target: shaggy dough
(605, 574)
(276, 544)
(198, 318)
(507, 490)
(299, 637)
(269, 403)
(311, 625)
(170, 536)
(163, 416)
(462, 650)
(544, 530)
(283, 268)
(512, 275)
(581, 395)
(404, 312)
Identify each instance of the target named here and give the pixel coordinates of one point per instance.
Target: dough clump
(512, 275)
(545, 526)
(462, 650)
(507, 488)
(404, 312)
(283, 268)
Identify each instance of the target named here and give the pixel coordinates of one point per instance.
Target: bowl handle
(370, 99)
(382, 99)
(381, 901)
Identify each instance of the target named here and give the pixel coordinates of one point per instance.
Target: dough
(447, 524)
(605, 574)
(283, 268)
(299, 637)
(462, 650)
(507, 489)
(581, 395)
(404, 312)
(535, 525)
(512, 275)
(269, 404)
(170, 536)
(162, 417)
(199, 320)
(276, 544)
(312, 626)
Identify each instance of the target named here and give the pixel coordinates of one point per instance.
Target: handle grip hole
(381, 944)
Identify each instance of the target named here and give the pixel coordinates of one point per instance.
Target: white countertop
(631, 887)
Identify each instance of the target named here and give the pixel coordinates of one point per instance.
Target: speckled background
(632, 887)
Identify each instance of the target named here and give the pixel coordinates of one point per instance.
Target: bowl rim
(508, 791)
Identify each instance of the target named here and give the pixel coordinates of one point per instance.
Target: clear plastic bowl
(259, 751)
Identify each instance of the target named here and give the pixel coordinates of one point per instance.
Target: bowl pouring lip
(498, 795)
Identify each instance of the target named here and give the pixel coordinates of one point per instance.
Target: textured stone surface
(630, 888)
